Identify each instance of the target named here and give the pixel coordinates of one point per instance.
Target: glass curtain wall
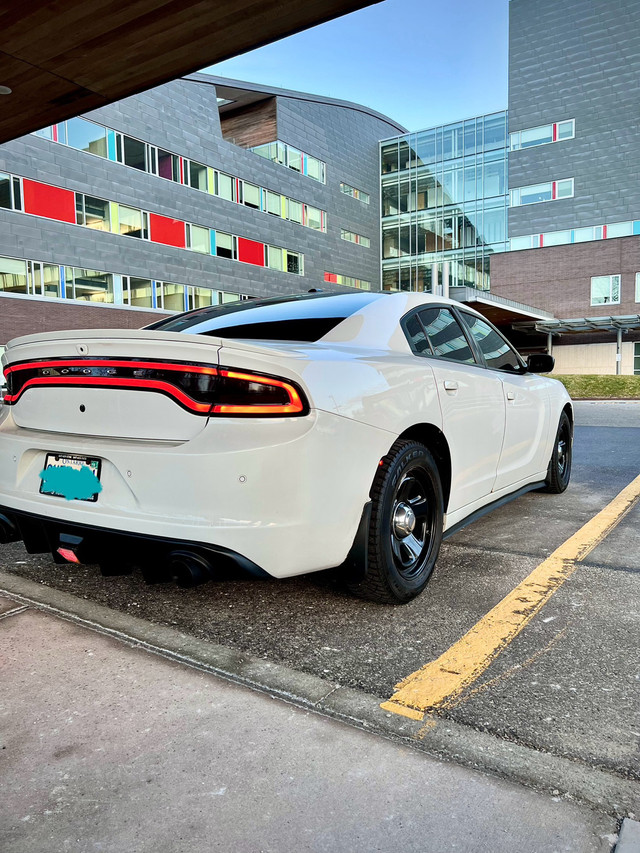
(444, 199)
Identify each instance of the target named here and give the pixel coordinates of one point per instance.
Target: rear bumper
(41, 534)
(284, 495)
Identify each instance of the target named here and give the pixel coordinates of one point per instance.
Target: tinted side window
(445, 335)
(496, 351)
(416, 336)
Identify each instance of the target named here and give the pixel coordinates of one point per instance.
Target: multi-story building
(207, 189)
(199, 191)
(574, 178)
(444, 204)
(565, 236)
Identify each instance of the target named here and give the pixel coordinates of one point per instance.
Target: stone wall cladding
(183, 117)
(578, 60)
(558, 278)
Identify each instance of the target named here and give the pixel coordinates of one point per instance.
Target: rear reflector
(68, 554)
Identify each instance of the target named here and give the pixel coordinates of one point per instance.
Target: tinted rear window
(308, 317)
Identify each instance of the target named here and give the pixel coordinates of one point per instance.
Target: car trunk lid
(133, 384)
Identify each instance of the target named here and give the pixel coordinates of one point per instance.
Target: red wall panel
(52, 202)
(250, 252)
(167, 231)
(331, 276)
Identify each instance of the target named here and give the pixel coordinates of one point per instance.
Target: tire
(559, 470)
(404, 532)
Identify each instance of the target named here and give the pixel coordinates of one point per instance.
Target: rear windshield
(307, 317)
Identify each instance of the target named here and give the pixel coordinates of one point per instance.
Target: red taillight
(198, 388)
(254, 394)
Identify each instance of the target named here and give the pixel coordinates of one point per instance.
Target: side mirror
(540, 362)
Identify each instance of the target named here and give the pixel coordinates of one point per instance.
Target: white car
(289, 435)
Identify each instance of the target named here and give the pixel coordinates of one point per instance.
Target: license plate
(71, 477)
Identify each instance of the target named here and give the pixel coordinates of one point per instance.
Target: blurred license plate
(66, 476)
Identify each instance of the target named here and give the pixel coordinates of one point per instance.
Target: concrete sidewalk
(108, 747)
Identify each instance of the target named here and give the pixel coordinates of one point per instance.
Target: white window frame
(610, 300)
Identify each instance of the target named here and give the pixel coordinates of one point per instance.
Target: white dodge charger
(287, 435)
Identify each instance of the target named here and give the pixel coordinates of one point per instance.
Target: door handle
(450, 385)
(511, 395)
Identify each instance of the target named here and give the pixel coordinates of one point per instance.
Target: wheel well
(434, 439)
(569, 410)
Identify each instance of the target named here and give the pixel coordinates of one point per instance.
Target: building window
(347, 280)
(196, 175)
(556, 238)
(201, 297)
(273, 203)
(636, 359)
(226, 246)
(137, 291)
(86, 136)
(168, 165)
(169, 296)
(355, 238)
(550, 191)
(314, 218)
(251, 196)
(88, 285)
(10, 194)
(619, 229)
(134, 153)
(92, 212)
(605, 290)
(294, 262)
(556, 132)
(13, 276)
(294, 159)
(274, 258)
(226, 187)
(294, 211)
(45, 279)
(361, 195)
(198, 239)
(638, 287)
(287, 155)
(133, 222)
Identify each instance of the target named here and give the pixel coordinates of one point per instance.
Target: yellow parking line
(444, 679)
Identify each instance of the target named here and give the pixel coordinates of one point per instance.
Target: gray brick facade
(577, 59)
(183, 117)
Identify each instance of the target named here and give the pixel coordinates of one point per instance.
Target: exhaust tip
(187, 569)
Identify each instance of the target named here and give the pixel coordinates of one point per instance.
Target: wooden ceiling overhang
(65, 57)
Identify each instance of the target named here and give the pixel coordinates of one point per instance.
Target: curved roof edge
(258, 88)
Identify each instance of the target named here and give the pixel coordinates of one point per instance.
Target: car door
(471, 400)
(526, 405)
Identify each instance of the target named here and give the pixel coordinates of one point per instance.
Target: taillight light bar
(198, 388)
(291, 402)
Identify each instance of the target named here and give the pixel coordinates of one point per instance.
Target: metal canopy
(626, 322)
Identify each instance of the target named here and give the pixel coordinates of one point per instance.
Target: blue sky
(421, 62)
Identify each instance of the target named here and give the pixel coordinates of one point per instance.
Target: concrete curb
(629, 838)
(446, 739)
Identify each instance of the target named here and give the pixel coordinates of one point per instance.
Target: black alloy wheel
(559, 470)
(406, 525)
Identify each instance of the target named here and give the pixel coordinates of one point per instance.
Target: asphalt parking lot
(568, 685)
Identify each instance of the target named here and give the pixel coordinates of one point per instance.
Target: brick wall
(24, 316)
(558, 278)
